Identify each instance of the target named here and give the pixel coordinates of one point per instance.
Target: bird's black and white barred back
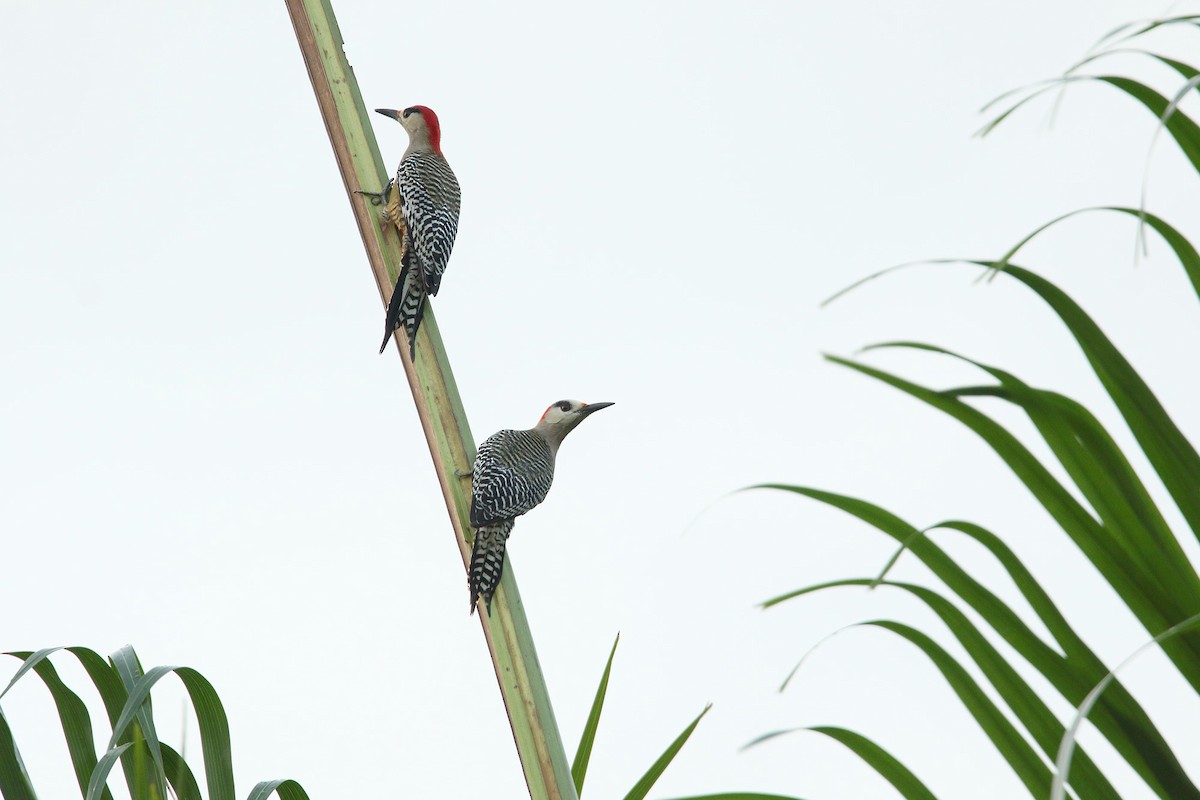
(428, 196)
(430, 200)
(513, 472)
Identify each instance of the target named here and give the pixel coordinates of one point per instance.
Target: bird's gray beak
(591, 408)
(389, 112)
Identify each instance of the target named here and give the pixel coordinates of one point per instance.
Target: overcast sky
(203, 455)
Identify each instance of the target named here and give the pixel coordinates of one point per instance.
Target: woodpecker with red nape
(512, 473)
(423, 203)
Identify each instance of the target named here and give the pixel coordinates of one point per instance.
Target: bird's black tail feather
(406, 308)
(487, 562)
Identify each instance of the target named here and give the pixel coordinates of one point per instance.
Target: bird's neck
(553, 434)
(422, 141)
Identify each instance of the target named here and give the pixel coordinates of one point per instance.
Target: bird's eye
(409, 111)
(565, 405)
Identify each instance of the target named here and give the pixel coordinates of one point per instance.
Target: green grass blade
(583, 753)
(1024, 761)
(104, 678)
(180, 775)
(146, 776)
(1183, 69)
(1186, 70)
(643, 786)
(30, 660)
(1118, 716)
(1062, 762)
(1042, 88)
(880, 760)
(1183, 249)
(1168, 450)
(1133, 30)
(210, 716)
(286, 789)
(214, 733)
(14, 780)
(112, 693)
(1181, 127)
(98, 782)
(1112, 487)
(75, 719)
(1083, 529)
(137, 705)
(1130, 520)
(888, 767)
(894, 558)
(1026, 705)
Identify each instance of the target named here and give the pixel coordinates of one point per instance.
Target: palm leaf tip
(583, 753)
(643, 786)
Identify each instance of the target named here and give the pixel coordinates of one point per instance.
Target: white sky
(203, 455)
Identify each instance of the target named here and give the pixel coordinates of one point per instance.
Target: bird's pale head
(562, 417)
(420, 122)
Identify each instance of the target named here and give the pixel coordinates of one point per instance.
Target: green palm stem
(543, 760)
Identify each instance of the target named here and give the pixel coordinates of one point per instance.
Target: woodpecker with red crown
(423, 203)
(512, 474)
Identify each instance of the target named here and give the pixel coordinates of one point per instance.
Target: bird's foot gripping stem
(392, 204)
(464, 473)
(378, 198)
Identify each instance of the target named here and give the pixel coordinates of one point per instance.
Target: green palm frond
(1102, 505)
(149, 765)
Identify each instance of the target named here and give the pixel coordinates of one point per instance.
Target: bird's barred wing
(512, 474)
(431, 201)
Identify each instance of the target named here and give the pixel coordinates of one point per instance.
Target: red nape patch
(547, 411)
(435, 127)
